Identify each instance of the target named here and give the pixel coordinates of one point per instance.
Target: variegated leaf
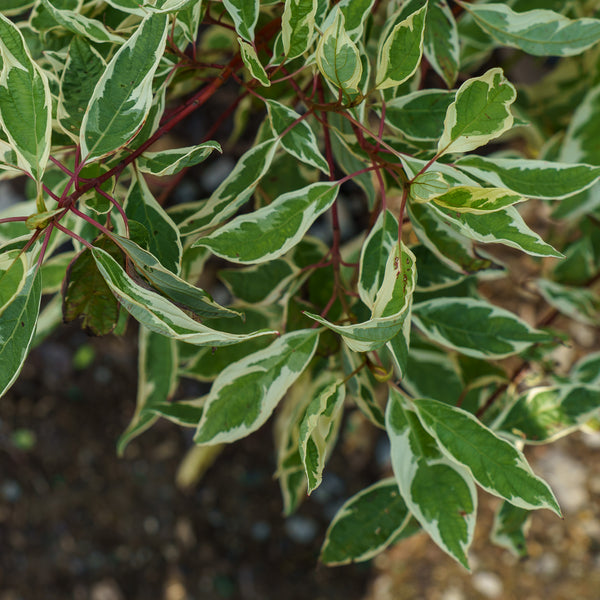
(244, 14)
(123, 96)
(543, 414)
(245, 394)
(355, 14)
(157, 313)
(539, 32)
(297, 26)
(441, 44)
(234, 191)
(169, 162)
(17, 327)
(581, 304)
(252, 62)
(496, 465)
(476, 200)
(367, 524)
(13, 275)
(272, 230)
(580, 143)
(475, 327)
(296, 135)
(400, 52)
(25, 101)
(319, 428)
(479, 113)
(508, 531)
(157, 380)
(391, 308)
(532, 178)
(338, 57)
(438, 492)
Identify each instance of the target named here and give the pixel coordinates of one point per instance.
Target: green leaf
(538, 32)
(54, 271)
(497, 466)
(299, 141)
(234, 191)
(271, 231)
(245, 394)
(543, 414)
(157, 380)
(587, 369)
(480, 113)
(169, 162)
(400, 52)
(338, 57)
(244, 14)
(374, 256)
(87, 28)
(441, 44)
(580, 304)
(162, 234)
(433, 274)
(84, 66)
(505, 226)
(476, 200)
(252, 62)
(355, 14)
(173, 287)
(366, 524)
(259, 284)
(390, 314)
(437, 491)
(319, 428)
(297, 26)
(475, 327)
(123, 96)
(157, 313)
(532, 178)
(509, 527)
(13, 274)
(25, 102)
(419, 115)
(17, 327)
(87, 295)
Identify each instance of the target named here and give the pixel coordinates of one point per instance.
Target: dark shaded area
(78, 522)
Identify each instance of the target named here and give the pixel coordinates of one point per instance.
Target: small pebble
(260, 531)
(487, 584)
(301, 529)
(11, 490)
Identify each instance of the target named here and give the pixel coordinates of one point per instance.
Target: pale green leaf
(366, 524)
(400, 52)
(123, 96)
(25, 102)
(544, 414)
(479, 113)
(532, 178)
(539, 32)
(157, 380)
(271, 231)
(169, 162)
(244, 14)
(475, 327)
(497, 466)
(17, 327)
(245, 394)
(157, 313)
(296, 135)
(427, 186)
(437, 491)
